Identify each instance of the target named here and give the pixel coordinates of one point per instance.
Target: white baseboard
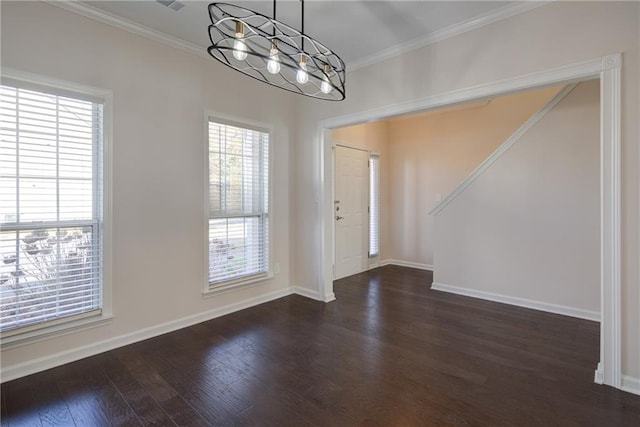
(598, 377)
(520, 302)
(630, 384)
(51, 361)
(374, 265)
(313, 294)
(305, 292)
(410, 264)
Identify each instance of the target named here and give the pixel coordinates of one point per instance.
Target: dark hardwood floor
(388, 352)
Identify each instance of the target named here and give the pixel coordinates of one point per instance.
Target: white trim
(398, 262)
(57, 90)
(519, 302)
(312, 294)
(324, 199)
(448, 32)
(205, 214)
(610, 220)
(565, 74)
(630, 384)
(54, 331)
(352, 147)
(305, 292)
(83, 9)
(237, 121)
(374, 263)
(234, 285)
(107, 206)
(47, 362)
(411, 264)
(598, 378)
(515, 137)
(606, 68)
(101, 95)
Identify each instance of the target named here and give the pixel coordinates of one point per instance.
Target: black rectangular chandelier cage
(275, 53)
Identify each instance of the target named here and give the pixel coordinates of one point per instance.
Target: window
(51, 228)
(374, 201)
(238, 237)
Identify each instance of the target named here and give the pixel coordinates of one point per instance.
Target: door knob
(338, 217)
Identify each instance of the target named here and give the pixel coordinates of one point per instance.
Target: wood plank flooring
(388, 352)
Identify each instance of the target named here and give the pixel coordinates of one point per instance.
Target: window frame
(64, 325)
(231, 285)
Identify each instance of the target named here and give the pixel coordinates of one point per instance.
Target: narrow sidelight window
(374, 202)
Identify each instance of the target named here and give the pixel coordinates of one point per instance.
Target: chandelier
(275, 53)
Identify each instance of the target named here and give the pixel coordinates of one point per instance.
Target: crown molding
(94, 13)
(448, 32)
(83, 9)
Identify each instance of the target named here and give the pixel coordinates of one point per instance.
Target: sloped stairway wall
(526, 231)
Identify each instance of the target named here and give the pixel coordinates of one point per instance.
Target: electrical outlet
(276, 268)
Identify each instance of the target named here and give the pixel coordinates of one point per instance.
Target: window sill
(236, 285)
(54, 331)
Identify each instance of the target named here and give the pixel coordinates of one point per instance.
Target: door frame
(608, 70)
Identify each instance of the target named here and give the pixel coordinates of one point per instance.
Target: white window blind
(50, 207)
(374, 202)
(238, 203)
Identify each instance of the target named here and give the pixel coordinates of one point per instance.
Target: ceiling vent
(171, 4)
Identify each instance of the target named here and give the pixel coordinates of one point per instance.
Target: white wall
(557, 34)
(160, 96)
(433, 152)
(374, 138)
(529, 226)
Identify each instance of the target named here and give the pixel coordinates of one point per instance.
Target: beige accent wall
(551, 36)
(372, 137)
(434, 152)
(428, 153)
(160, 95)
(529, 226)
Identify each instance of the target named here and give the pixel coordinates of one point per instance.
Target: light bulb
(239, 46)
(325, 86)
(273, 65)
(239, 50)
(302, 76)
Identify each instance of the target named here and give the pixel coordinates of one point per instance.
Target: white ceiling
(355, 30)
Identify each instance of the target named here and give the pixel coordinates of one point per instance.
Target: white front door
(351, 211)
